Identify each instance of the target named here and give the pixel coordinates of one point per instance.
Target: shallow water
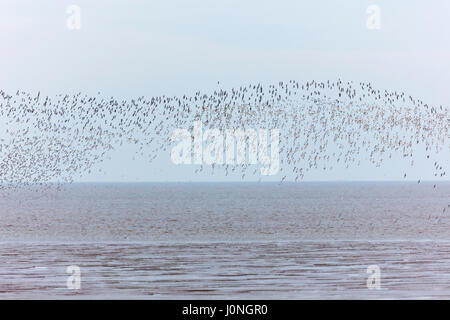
(249, 241)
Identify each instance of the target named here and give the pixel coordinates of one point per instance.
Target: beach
(227, 241)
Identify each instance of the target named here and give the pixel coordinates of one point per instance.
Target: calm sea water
(227, 240)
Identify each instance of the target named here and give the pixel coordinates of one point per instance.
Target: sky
(130, 48)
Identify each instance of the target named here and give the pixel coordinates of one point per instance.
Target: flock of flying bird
(322, 124)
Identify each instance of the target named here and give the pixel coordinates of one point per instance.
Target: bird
(323, 124)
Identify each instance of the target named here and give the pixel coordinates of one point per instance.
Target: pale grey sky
(130, 48)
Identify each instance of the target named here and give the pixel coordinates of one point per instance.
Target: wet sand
(252, 270)
(227, 241)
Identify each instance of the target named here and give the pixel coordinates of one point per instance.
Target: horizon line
(228, 181)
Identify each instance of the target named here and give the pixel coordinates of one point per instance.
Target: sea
(242, 240)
